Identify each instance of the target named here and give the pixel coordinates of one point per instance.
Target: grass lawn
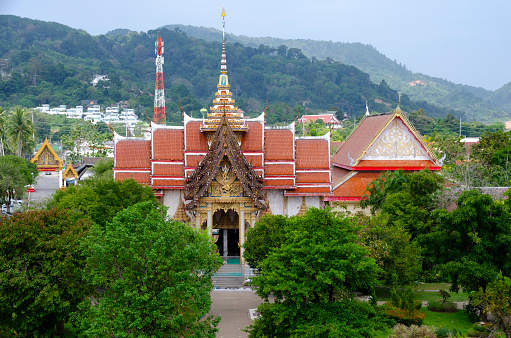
(457, 320)
(383, 293)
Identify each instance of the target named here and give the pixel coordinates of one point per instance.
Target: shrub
(446, 332)
(403, 331)
(434, 305)
(403, 316)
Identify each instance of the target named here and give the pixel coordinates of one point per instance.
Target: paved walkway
(233, 306)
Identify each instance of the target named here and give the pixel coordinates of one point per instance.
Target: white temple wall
(350, 207)
(171, 200)
(293, 205)
(276, 201)
(312, 201)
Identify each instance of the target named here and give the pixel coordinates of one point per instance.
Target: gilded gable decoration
(46, 158)
(224, 162)
(180, 214)
(396, 142)
(70, 173)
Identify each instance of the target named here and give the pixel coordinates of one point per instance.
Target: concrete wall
(171, 200)
(276, 201)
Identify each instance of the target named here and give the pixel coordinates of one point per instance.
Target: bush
(437, 306)
(403, 331)
(446, 332)
(403, 316)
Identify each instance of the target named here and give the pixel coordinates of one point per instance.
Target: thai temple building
(382, 142)
(223, 172)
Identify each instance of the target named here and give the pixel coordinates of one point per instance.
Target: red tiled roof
(309, 190)
(356, 185)
(278, 144)
(278, 169)
(252, 140)
(133, 154)
(255, 159)
(395, 164)
(313, 177)
(168, 183)
(195, 139)
(168, 144)
(325, 117)
(339, 173)
(168, 169)
(360, 139)
(143, 178)
(283, 182)
(311, 153)
(193, 160)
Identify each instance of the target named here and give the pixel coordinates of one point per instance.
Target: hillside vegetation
(46, 62)
(477, 103)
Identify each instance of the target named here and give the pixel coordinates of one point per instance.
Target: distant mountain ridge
(477, 103)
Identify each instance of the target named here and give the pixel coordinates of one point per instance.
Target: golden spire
(223, 13)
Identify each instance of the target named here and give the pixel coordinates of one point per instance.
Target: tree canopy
(40, 271)
(154, 274)
(101, 199)
(317, 267)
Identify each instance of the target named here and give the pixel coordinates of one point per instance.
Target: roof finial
(367, 110)
(223, 64)
(398, 108)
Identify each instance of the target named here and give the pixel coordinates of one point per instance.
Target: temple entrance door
(226, 225)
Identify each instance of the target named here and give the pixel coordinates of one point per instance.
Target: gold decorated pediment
(46, 158)
(396, 142)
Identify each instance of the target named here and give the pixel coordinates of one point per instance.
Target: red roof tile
(283, 182)
(195, 139)
(255, 159)
(252, 140)
(356, 185)
(395, 164)
(311, 153)
(309, 191)
(278, 144)
(168, 144)
(360, 139)
(168, 169)
(133, 154)
(278, 169)
(143, 178)
(168, 183)
(339, 173)
(193, 160)
(313, 177)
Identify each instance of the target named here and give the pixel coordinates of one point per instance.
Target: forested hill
(478, 103)
(46, 62)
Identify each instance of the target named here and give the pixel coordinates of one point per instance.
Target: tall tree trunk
(19, 148)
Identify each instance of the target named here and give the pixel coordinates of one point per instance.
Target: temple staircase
(230, 275)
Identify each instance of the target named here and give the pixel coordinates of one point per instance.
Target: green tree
(101, 199)
(3, 126)
(103, 168)
(41, 268)
(156, 276)
(15, 174)
(318, 267)
(496, 300)
(20, 131)
(85, 140)
(472, 243)
(392, 247)
(267, 234)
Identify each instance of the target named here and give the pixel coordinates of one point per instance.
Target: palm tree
(3, 123)
(20, 131)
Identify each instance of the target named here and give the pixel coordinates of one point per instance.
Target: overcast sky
(463, 41)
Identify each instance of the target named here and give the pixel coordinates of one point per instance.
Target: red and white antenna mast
(159, 91)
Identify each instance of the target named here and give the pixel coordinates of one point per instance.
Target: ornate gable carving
(47, 158)
(224, 162)
(396, 142)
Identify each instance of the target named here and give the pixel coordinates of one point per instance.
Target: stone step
(228, 282)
